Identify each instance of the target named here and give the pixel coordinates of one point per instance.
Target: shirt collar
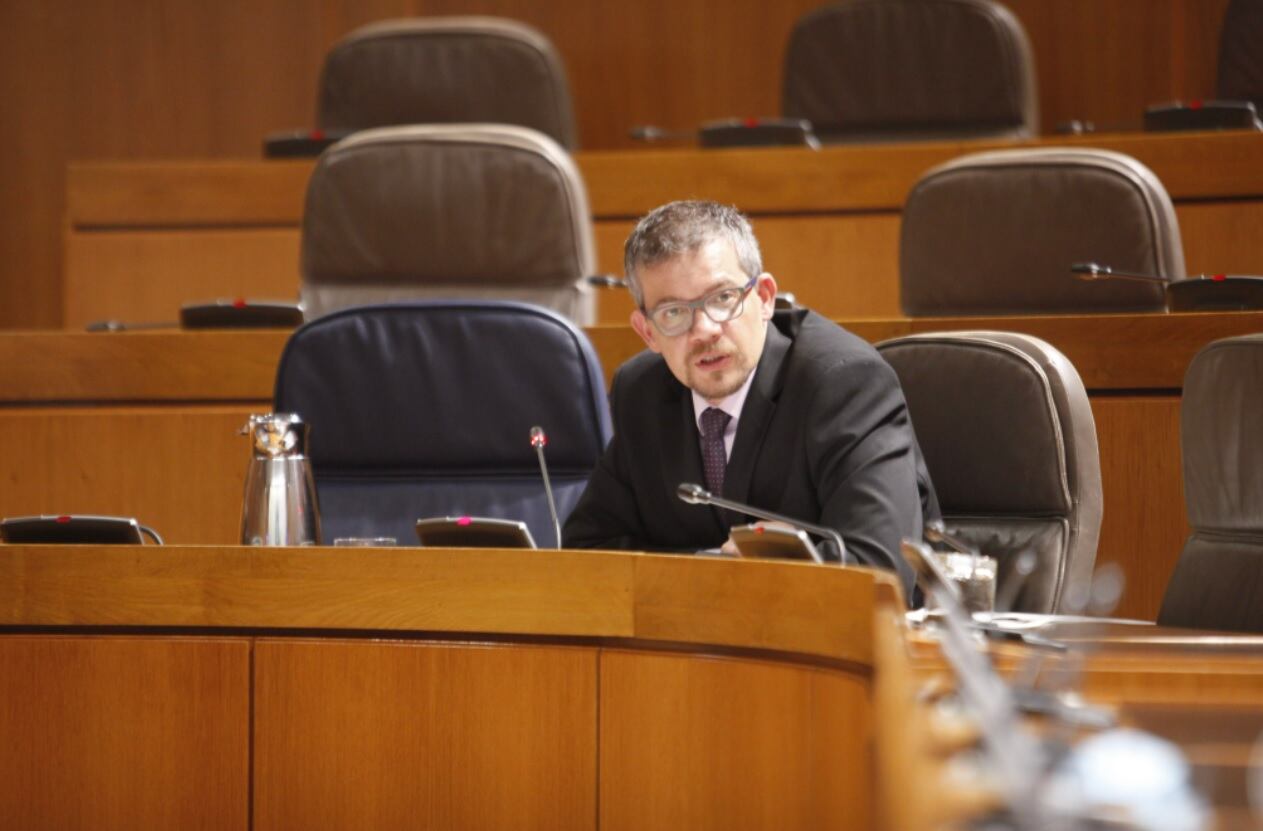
(731, 405)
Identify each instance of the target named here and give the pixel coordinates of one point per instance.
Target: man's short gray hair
(683, 227)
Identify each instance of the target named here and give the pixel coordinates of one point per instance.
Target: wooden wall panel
(1144, 526)
(186, 465)
(131, 79)
(398, 735)
(165, 270)
(124, 733)
(689, 743)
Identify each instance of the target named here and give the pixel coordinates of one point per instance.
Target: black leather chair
(444, 70)
(911, 69)
(1240, 75)
(996, 233)
(1218, 581)
(424, 409)
(1010, 443)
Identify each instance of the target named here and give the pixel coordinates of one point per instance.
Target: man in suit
(787, 412)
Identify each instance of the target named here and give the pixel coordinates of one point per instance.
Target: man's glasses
(720, 305)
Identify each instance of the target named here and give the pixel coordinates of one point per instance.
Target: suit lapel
(756, 415)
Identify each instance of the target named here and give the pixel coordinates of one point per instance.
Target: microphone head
(1090, 271)
(693, 494)
(538, 439)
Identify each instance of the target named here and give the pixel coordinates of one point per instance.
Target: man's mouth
(711, 361)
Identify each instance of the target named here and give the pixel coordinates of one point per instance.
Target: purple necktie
(714, 458)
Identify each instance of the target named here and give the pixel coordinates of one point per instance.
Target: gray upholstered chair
(908, 69)
(446, 70)
(1241, 53)
(1218, 581)
(452, 211)
(1010, 442)
(997, 232)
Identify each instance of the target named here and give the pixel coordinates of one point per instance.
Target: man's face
(714, 359)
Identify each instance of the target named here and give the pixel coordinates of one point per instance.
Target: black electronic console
(69, 529)
(775, 542)
(758, 132)
(301, 144)
(473, 532)
(1216, 293)
(241, 314)
(1202, 115)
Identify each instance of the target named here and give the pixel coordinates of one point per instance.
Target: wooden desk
(145, 423)
(404, 688)
(144, 237)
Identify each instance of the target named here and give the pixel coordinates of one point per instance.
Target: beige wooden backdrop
(137, 79)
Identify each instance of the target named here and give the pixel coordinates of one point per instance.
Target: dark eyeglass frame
(693, 306)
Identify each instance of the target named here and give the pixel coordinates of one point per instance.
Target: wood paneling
(716, 744)
(484, 590)
(168, 79)
(180, 470)
(123, 276)
(1144, 525)
(405, 735)
(170, 366)
(124, 733)
(1219, 237)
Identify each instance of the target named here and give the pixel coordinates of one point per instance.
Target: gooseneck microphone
(697, 495)
(538, 440)
(1096, 271)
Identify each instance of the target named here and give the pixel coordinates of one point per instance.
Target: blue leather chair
(424, 409)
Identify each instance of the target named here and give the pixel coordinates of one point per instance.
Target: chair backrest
(901, 69)
(996, 233)
(465, 211)
(1010, 443)
(1241, 53)
(1218, 580)
(446, 70)
(425, 409)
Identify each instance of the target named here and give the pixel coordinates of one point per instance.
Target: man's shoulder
(820, 341)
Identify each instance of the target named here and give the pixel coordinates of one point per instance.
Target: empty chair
(1218, 581)
(446, 70)
(1241, 53)
(425, 409)
(996, 233)
(906, 69)
(467, 211)
(1010, 443)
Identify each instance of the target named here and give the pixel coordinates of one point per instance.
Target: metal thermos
(279, 507)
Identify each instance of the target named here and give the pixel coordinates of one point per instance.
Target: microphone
(1096, 271)
(538, 440)
(697, 495)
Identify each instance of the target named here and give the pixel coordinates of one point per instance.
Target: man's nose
(703, 326)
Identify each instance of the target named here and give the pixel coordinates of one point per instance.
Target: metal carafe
(279, 506)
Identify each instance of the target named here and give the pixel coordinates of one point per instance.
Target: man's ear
(645, 329)
(765, 288)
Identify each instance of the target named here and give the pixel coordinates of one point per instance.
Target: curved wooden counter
(397, 688)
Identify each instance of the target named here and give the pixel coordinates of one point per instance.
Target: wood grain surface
(721, 743)
(412, 735)
(124, 733)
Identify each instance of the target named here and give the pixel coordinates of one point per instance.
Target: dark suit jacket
(824, 436)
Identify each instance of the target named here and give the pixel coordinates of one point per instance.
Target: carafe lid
(277, 435)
